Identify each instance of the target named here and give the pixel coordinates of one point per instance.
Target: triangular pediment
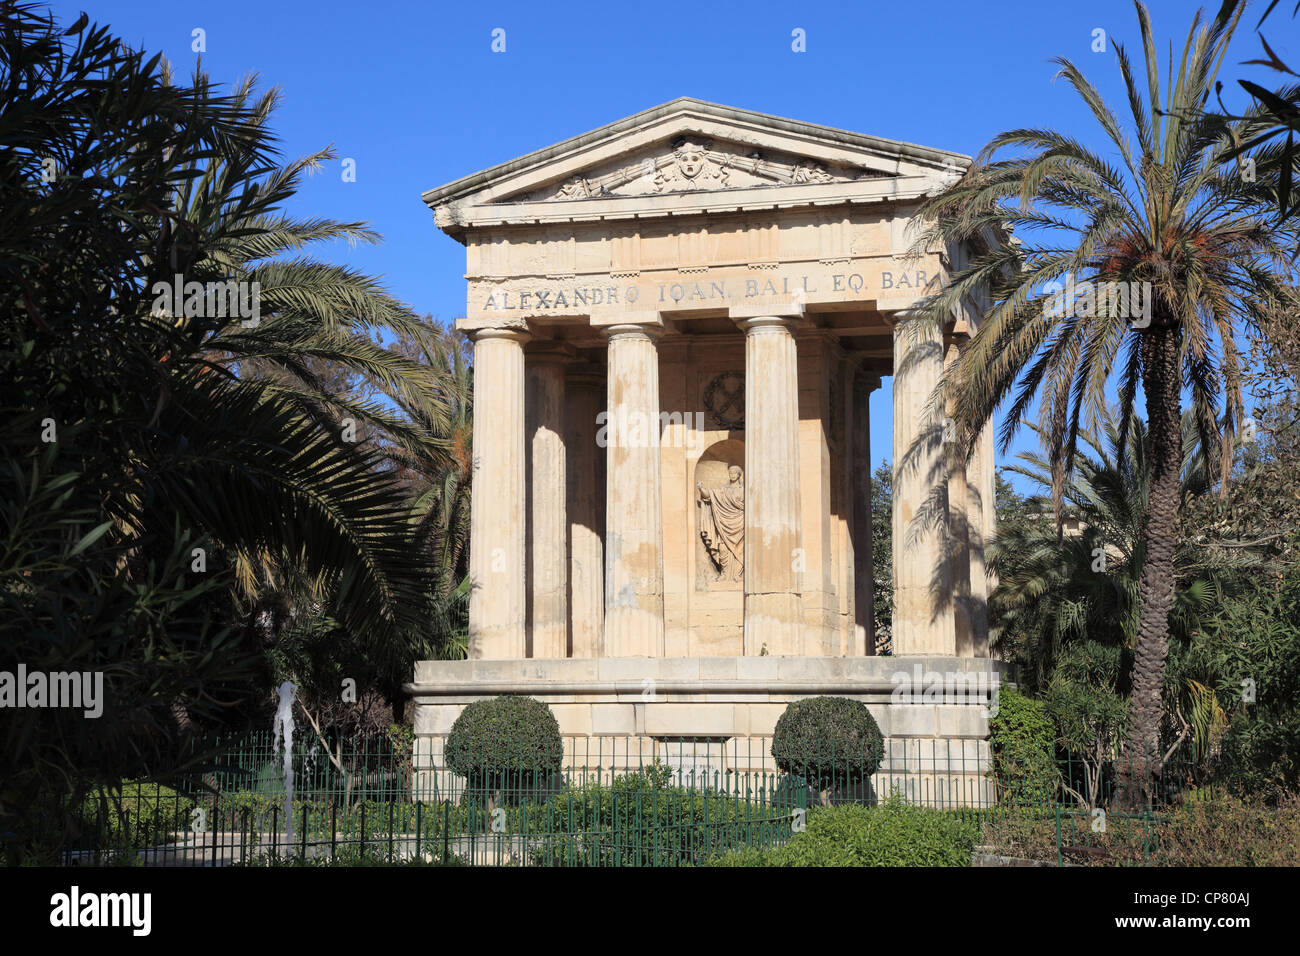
(692, 163)
(678, 155)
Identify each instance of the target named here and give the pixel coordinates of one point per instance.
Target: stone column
(548, 558)
(959, 536)
(634, 564)
(497, 604)
(980, 514)
(864, 642)
(923, 622)
(586, 400)
(773, 603)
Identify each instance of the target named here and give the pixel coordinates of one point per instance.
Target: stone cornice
(458, 220)
(892, 170)
(775, 674)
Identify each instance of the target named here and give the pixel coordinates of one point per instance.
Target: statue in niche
(722, 524)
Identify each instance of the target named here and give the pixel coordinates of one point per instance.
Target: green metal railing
(615, 801)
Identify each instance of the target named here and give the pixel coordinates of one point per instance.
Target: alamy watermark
(631, 429)
(77, 690)
(76, 908)
(921, 686)
(211, 300)
(1123, 300)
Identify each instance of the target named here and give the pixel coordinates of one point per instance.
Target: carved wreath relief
(724, 400)
(695, 164)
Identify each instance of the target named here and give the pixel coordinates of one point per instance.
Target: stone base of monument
(710, 719)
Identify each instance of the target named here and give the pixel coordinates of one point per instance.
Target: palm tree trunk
(1162, 384)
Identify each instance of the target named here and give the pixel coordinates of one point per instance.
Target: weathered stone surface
(923, 620)
(634, 570)
(702, 289)
(773, 543)
(548, 564)
(497, 600)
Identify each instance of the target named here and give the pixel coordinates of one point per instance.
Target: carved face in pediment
(690, 158)
(691, 163)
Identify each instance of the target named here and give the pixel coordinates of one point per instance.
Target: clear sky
(414, 94)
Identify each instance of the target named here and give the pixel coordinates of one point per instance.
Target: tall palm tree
(1171, 216)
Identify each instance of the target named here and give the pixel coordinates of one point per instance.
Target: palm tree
(440, 491)
(297, 368)
(1280, 109)
(1172, 217)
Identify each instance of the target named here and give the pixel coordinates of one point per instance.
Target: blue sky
(414, 94)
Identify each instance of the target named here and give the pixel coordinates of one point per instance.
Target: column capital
(551, 353)
(867, 380)
(509, 333)
(753, 317)
(630, 330)
(616, 322)
(584, 375)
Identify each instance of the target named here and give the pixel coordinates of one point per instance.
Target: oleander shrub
(891, 834)
(830, 743)
(507, 745)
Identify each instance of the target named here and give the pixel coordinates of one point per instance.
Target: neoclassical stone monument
(678, 321)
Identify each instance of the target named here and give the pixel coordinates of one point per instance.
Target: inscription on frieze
(577, 295)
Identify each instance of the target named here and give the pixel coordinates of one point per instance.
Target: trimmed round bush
(831, 742)
(506, 743)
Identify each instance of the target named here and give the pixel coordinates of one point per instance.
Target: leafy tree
(1089, 711)
(1066, 584)
(829, 743)
(90, 137)
(1280, 108)
(1249, 652)
(506, 744)
(1172, 216)
(151, 460)
(439, 486)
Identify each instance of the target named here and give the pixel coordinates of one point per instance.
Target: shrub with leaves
(892, 834)
(642, 819)
(140, 814)
(828, 742)
(507, 744)
(1022, 739)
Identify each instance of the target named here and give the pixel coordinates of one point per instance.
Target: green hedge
(892, 834)
(1022, 739)
(641, 819)
(142, 814)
